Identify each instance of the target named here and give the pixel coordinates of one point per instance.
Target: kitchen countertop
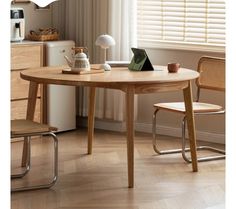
(26, 42)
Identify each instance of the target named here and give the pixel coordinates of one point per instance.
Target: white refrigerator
(61, 100)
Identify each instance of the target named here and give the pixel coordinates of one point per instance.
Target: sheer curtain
(122, 26)
(83, 21)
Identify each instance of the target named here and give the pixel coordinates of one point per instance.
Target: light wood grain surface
(99, 181)
(128, 81)
(26, 55)
(116, 76)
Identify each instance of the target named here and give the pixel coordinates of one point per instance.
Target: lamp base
(105, 67)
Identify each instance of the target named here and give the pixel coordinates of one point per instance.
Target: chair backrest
(212, 73)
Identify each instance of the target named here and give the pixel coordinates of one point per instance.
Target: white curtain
(122, 26)
(83, 21)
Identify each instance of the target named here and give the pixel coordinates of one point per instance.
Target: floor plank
(100, 180)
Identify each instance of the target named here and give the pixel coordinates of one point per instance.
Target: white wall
(35, 19)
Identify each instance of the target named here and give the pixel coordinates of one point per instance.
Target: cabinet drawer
(19, 108)
(19, 87)
(26, 56)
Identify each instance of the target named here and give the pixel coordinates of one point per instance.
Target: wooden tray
(92, 71)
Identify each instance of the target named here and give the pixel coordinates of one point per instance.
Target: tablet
(140, 61)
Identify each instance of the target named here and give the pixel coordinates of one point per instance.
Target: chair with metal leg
(212, 77)
(28, 129)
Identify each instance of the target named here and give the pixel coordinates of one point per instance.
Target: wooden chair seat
(28, 127)
(198, 107)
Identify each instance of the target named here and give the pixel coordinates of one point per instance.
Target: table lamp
(105, 41)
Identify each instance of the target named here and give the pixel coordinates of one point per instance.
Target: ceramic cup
(173, 67)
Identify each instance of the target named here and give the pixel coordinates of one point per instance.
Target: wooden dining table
(131, 83)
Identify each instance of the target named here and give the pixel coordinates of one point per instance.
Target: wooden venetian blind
(199, 24)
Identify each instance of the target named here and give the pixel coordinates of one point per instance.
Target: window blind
(198, 24)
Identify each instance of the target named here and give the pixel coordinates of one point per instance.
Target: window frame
(181, 45)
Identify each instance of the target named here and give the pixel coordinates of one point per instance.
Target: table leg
(130, 134)
(191, 125)
(91, 112)
(32, 98)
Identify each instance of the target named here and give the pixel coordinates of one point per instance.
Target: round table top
(118, 75)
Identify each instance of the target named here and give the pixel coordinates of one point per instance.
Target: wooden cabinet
(24, 56)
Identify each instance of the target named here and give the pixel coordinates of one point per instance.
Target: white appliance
(17, 24)
(61, 100)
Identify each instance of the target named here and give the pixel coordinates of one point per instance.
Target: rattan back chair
(212, 77)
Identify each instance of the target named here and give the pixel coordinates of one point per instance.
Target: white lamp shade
(43, 3)
(105, 41)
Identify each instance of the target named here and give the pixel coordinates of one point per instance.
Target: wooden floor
(100, 180)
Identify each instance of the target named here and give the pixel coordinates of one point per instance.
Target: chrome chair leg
(184, 149)
(55, 172)
(209, 148)
(154, 139)
(28, 162)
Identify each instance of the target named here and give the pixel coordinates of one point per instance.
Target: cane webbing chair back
(212, 73)
(212, 77)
